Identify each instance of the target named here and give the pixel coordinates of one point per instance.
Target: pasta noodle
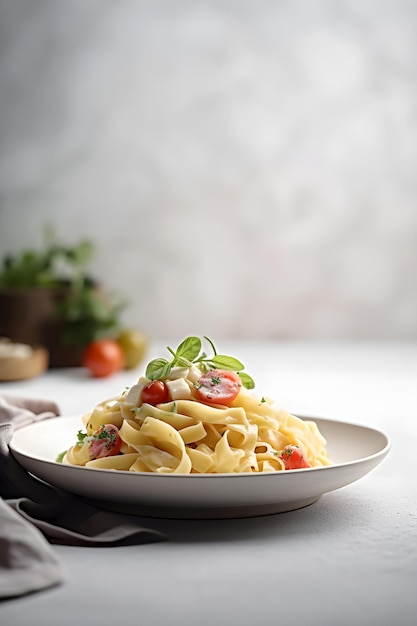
(185, 435)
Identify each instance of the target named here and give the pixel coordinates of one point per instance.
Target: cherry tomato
(294, 458)
(103, 357)
(106, 442)
(155, 393)
(218, 387)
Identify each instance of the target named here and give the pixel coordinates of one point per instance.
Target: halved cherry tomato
(294, 458)
(155, 392)
(218, 387)
(106, 442)
(103, 357)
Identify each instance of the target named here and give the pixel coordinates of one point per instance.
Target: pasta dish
(195, 414)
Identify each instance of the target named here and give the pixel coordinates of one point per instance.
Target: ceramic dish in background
(354, 449)
(19, 361)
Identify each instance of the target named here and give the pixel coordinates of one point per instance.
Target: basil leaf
(247, 381)
(189, 348)
(157, 369)
(189, 352)
(227, 363)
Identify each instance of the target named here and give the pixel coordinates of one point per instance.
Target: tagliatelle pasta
(195, 431)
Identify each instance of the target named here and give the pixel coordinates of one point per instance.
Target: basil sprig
(189, 352)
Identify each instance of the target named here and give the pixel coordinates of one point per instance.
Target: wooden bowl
(22, 366)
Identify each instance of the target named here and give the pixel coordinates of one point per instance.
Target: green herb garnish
(105, 433)
(80, 437)
(189, 352)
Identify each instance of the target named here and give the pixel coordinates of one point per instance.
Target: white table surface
(350, 558)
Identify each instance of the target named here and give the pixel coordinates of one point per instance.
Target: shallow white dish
(354, 449)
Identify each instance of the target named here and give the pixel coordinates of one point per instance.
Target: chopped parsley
(106, 434)
(80, 437)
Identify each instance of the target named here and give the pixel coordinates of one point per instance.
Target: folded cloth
(24, 411)
(32, 512)
(27, 562)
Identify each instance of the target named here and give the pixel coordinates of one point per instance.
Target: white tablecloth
(350, 558)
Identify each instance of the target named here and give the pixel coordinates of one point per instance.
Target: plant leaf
(247, 381)
(227, 363)
(189, 348)
(157, 369)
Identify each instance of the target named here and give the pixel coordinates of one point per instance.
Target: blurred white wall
(246, 169)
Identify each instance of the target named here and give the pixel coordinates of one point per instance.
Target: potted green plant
(47, 297)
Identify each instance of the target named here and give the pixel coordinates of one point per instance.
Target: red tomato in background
(155, 393)
(294, 458)
(218, 387)
(103, 357)
(106, 442)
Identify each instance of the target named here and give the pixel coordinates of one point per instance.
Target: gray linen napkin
(27, 561)
(32, 512)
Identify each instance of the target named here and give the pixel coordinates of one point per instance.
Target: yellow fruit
(134, 344)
